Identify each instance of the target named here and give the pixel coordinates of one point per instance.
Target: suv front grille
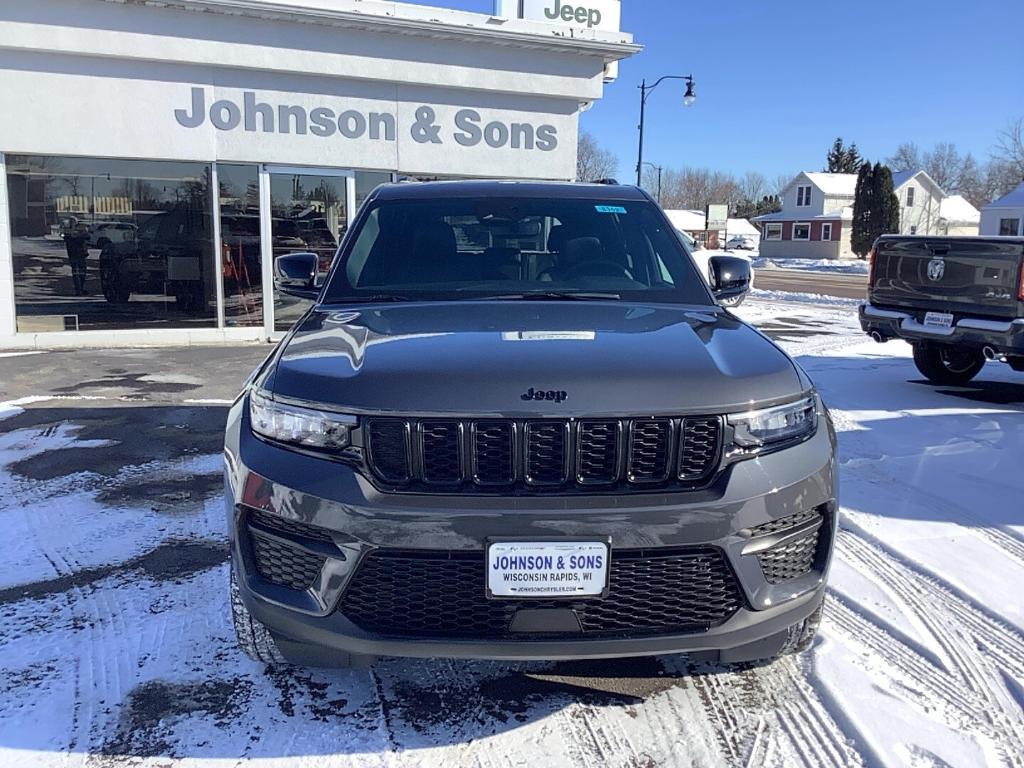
(441, 594)
(543, 455)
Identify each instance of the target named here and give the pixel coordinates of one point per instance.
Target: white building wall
(7, 323)
(990, 218)
(924, 214)
(789, 206)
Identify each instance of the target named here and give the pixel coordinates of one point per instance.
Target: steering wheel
(603, 268)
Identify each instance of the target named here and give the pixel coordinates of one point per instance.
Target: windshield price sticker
(547, 569)
(609, 209)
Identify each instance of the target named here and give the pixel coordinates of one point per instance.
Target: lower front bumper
(747, 636)
(1004, 336)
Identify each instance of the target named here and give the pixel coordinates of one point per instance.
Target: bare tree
(906, 158)
(753, 186)
(696, 188)
(945, 165)
(1009, 150)
(594, 162)
(780, 183)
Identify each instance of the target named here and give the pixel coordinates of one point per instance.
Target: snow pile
(835, 266)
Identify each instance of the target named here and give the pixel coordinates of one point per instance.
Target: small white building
(958, 217)
(1004, 216)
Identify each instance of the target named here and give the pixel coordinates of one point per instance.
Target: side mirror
(730, 276)
(295, 275)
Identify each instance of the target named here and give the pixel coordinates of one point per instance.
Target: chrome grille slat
(543, 455)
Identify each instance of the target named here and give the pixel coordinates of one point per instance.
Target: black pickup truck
(958, 300)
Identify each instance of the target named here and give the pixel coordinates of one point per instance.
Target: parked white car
(742, 243)
(111, 232)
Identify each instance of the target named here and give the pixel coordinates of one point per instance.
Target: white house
(1004, 216)
(817, 214)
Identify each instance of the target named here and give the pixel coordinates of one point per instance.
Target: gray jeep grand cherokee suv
(515, 424)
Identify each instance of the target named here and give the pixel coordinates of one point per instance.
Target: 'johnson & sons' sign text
(468, 129)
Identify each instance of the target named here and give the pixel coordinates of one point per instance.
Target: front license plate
(938, 320)
(547, 569)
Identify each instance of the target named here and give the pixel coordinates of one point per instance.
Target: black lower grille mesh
(794, 558)
(285, 525)
(284, 564)
(441, 594)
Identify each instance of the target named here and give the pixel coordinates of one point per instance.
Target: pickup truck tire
(948, 365)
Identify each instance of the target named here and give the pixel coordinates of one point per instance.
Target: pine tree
(886, 206)
(843, 159)
(861, 238)
(835, 157)
(853, 160)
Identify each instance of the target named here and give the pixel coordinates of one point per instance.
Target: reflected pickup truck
(958, 300)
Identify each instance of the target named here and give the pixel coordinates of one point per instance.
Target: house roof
(843, 214)
(833, 183)
(1013, 200)
(840, 214)
(742, 227)
(690, 221)
(956, 208)
(899, 178)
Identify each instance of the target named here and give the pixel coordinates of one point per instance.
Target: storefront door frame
(266, 228)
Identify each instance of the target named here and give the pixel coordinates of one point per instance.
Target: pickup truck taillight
(871, 269)
(1020, 289)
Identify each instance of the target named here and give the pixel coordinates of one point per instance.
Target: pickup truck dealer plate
(942, 320)
(547, 569)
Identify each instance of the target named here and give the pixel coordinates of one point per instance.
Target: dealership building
(156, 157)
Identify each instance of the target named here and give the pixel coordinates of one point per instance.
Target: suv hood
(481, 358)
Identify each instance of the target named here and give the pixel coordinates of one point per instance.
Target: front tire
(254, 639)
(948, 365)
(801, 634)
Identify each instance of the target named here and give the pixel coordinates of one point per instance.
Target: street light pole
(645, 89)
(659, 169)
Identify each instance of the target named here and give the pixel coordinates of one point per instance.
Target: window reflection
(240, 244)
(110, 244)
(308, 214)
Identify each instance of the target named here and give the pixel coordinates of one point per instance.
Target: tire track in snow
(773, 709)
(977, 655)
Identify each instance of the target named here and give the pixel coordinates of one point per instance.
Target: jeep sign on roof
(588, 14)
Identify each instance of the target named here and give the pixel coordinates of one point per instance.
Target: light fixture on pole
(688, 98)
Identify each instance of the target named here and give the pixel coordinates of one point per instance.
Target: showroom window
(240, 244)
(110, 244)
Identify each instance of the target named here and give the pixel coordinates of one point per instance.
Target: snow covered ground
(117, 648)
(834, 266)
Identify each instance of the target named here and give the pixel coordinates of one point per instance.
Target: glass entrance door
(304, 210)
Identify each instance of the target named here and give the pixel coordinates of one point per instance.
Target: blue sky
(778, 80)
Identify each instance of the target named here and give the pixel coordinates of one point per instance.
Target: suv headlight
(768, 426)
(306, 427)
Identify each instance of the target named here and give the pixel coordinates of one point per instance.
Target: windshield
(497, 247)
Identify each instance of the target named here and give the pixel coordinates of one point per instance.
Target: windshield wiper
(552, 296)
